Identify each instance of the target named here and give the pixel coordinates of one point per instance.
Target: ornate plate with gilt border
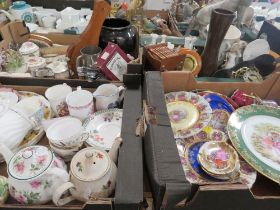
(255, 133)
(188, 112)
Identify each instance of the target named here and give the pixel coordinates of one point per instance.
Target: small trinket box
(160, 57)
(113, 62)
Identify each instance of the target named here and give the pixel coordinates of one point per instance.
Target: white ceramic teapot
(93, 174)
(33, 173)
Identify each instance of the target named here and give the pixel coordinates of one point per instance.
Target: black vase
(121, 32)
(221, 20)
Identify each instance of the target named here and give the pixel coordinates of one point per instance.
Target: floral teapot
(93, 174)
(33, 173)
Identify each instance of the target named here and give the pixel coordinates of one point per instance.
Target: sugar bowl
(93, 174)
(33, 173)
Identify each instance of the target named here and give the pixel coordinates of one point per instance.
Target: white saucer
(255, 49)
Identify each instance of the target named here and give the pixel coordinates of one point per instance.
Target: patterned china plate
(255, 133)
(218, 159)
(188, 152)
(34, 137)
(103, 127)
(218, 103)
(188, 112)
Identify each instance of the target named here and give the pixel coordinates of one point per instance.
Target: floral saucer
(188, 112)
(219, 159)
(103, 127)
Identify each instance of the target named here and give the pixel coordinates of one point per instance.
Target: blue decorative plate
(217, 102)
(191, 156)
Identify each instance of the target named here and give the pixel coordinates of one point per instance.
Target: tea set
(38, 174)
(203, 126)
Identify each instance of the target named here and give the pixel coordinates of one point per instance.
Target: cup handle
(121, 93)
(57, 200)
(78, 60)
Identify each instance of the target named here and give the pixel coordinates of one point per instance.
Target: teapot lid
(90, 164)
(30, 162)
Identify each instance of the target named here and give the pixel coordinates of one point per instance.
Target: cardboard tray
(169, 187)
(129, 187)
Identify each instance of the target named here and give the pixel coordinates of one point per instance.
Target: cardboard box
(169, 187)
(129, 187)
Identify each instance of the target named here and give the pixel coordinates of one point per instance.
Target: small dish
(192, 62)
(103, 127)
(219, 159)
(35, 63)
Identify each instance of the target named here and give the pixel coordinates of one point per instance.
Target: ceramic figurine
(92, 175)
(234, 54)
(34, 172)
(203, 16)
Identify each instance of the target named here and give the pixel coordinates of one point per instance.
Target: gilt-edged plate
(103, 128)
(255, 133)
(188, 112)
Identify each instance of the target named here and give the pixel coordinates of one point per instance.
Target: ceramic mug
(80, 103)
(57, 98)
(108, 96)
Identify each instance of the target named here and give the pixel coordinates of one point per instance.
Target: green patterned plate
(255, 133)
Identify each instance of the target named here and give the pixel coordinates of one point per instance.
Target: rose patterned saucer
(219, 159)
(103, 128)
(188, 112)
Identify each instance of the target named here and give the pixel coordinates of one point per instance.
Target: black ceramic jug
(121, 32)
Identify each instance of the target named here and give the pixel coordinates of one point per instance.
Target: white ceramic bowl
(66, 133)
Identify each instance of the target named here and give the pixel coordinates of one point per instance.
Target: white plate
(11, 97)
(103, 127)
(255, 49)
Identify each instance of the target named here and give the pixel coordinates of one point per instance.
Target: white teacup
(66, 133)
(49, 21)
(57, 98)
(66, 154)
(108, 96)
(80, 103)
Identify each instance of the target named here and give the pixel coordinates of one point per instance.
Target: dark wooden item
(91, 34)
(220, 22)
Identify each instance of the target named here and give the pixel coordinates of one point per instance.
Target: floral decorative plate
(188, 112)
(35, 136)
(255, 133)
(103, 127)
(218, 159)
